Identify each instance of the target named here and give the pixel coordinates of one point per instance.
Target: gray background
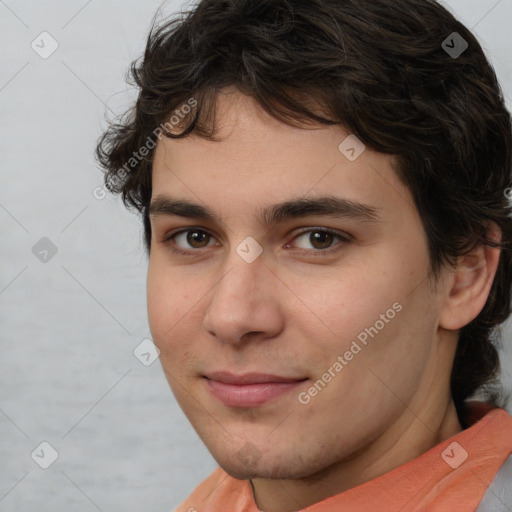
(69, 325)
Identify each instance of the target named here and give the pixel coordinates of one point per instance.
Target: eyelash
(168, 241)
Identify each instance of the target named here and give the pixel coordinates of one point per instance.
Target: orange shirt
(452, 476)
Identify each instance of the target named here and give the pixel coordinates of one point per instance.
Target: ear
(471, 283)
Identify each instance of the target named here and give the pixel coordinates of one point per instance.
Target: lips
(250, 389)
(250, 378)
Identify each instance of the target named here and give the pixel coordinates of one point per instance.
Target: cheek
(166, 302)
(158, 301)
(174, 315)
(338, 306)
(367, 313)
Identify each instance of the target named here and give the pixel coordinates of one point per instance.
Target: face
(334, 301)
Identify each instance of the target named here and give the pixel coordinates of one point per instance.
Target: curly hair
(381, 68)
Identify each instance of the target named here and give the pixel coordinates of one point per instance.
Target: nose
(245, 303)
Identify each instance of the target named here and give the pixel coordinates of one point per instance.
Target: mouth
(250, 389)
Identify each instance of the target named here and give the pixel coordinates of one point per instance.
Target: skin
(293, 310)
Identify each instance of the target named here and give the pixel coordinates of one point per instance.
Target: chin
(240, 472)
(248, 464)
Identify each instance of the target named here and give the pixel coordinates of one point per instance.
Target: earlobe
(470, 285)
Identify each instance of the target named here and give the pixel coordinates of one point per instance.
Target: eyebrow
(332, 206)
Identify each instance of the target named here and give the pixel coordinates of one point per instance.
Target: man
(323, 188)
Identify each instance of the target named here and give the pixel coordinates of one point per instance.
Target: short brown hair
(382, 69)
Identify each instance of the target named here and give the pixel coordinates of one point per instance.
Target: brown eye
(321, 239)
(197, 239)
(188, 240)
(315, 240)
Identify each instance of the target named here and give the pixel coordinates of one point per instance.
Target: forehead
(259, 160)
